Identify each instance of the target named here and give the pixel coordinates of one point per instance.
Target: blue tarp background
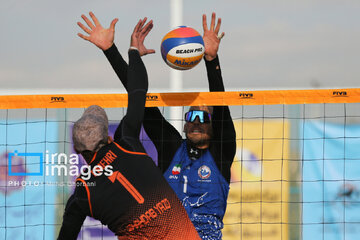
(331, 181)
(30, 206)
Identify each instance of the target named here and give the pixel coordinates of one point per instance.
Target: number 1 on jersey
(185, 184)
(127, 185)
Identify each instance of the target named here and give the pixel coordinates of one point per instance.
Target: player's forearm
(118, 64)
(214, 75)
(137, 75)
(137, 89)
(165, 137)
(157, 127)
(68, 232)
(72, 220)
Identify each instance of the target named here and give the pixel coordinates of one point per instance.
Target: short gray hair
(90, 132)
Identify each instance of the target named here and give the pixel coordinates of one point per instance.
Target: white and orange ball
(182, 48)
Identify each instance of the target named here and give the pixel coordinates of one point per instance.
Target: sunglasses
(204, 117)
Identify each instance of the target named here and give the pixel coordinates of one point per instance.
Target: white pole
(176, 10)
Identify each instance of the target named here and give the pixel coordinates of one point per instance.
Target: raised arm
(134, 72)
(212, 42)
(103, 38)
(137, 89)
(164, 136)
(224, 135)
(137, 86)
(72, 220)
(116, 60)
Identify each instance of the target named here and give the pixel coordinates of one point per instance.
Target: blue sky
(267, 44)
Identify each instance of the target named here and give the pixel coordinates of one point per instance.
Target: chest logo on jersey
(176, 169)
(204, 172)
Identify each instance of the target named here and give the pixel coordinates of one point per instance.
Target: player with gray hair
(134, 200)
(90, 132)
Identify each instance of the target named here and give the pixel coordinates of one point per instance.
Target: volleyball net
(296, 173)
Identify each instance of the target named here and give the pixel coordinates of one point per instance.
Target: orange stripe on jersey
(127, 151)
(132, 190)
(93, 157)
(127, 185)
(88, 194)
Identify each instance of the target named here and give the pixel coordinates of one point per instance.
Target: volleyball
(182, 48)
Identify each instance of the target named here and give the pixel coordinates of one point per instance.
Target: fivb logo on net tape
(55, 164)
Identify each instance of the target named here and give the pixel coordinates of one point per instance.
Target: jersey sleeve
(224, 135)
(137, 87)
(134, 79)
(73, 219)
(118, 63)
(164, 136)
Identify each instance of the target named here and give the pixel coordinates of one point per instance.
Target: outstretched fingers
(142, 23)
(217, 28)
(88, 22)
(84, 37)
(141, 30)
(137, 26)
(83, 27)
(212, 24)
(96, 21)
(204, 22)
(212, 36)
(112, 24)
(101, 37)
(147, 28)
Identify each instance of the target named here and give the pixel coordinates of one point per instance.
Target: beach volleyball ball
(182, 48)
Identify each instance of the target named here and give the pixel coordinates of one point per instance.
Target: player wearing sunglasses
(198, 167)
(204, 117)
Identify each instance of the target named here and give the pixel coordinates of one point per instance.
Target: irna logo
(55, 164)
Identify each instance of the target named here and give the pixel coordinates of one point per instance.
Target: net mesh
(295, 174)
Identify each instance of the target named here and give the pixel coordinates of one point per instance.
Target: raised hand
(211, 37)
(103, 38)
(139, 34)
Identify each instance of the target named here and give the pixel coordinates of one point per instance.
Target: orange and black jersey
(135, 201)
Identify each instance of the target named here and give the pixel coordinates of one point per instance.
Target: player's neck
(201, 146)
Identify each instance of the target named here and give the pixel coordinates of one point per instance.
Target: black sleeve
(137, 86)
(223, 146)
(136, 73)
(118, 64)
(214, 75)
(164, 136)
(72, 220)
(161, 132)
